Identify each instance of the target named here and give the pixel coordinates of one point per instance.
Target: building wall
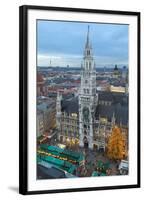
(102, 129)
(47, 108)
(40, 124)
(49, 117)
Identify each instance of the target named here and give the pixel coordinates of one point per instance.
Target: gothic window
(93, 91)
(86, 65)
(86, 81)
(84, 91)
(90, 65)
(88, 52)
(86, 114)
(85, 132)
(87, 91)
(85, 126)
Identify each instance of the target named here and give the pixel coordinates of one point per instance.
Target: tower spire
(87, 41)
(88, 47)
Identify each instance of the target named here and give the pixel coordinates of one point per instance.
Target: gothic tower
(88, 97)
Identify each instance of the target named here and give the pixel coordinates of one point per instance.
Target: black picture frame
(23, 97)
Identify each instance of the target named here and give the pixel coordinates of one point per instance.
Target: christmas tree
(116, 145)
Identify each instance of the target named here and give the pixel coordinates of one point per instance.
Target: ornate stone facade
(88, 97)
(88, 118)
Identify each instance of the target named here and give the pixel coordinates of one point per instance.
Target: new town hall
(88, 117)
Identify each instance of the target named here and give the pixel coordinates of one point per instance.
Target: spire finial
(113, 119)
(88, 29)
(87, 43)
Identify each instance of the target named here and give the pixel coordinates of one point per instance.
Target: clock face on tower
(86, 114)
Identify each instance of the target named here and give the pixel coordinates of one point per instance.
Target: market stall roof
(64, 165)
(63, 152)
(44, 172)
(95, 173)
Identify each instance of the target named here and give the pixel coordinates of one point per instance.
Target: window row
(88, 65)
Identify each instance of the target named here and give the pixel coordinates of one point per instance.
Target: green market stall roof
(65, 153)
(61, 164)
(95, 173)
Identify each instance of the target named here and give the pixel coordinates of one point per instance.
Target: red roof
(39, 78)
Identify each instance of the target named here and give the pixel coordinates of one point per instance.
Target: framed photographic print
(79, 99)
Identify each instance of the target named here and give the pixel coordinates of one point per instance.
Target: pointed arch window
(86, 81)
(90, 65)
(86, 65)
(88, 52)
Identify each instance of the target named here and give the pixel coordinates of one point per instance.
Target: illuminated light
(117, 89)
(61, 146)
(68, 140)
(74, 115)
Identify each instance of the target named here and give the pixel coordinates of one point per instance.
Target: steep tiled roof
(70, 105)
(120, 112)
(119, 106)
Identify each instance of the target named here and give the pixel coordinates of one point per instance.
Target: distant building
(40, 84)
(48, 110)
(117, 89)
(40, 123)
(87, 119)
(124, 72)
(116, 72)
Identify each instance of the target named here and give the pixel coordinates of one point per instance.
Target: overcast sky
(62, 43)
